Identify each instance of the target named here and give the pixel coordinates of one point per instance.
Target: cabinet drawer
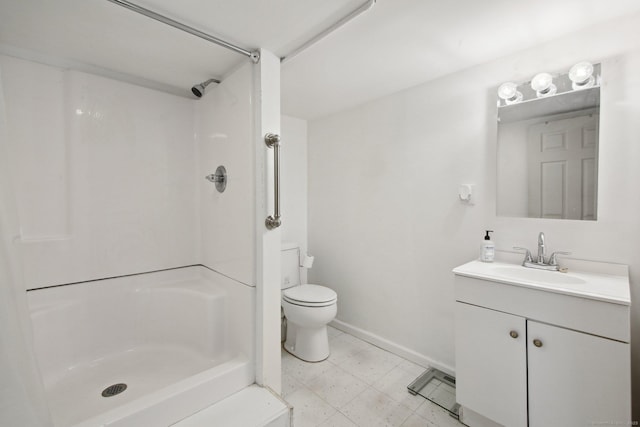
(595, 317)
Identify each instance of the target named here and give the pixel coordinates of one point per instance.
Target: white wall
(103, 173)
(224, 137)
(294, 183)
(384, 219)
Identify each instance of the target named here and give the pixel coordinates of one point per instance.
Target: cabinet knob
(513, 334)
(537, 343)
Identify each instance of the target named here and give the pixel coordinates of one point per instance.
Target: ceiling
(395, 45)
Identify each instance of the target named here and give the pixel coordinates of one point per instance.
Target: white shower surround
(104, 174)
(21, 392)
(176, 338)
(109, 182)
(109, 176)
(226, 235)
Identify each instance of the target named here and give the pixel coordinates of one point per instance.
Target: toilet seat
(310, 296)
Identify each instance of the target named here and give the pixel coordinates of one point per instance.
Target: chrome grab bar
(273, 141)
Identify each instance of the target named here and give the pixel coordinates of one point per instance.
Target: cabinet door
(491, 366)
(577, 379)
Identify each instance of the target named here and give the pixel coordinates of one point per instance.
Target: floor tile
(394, 384)
(415, 420)
(345, 346)
(337, 387)
(348, 338)
(437, 415)
(371, 364)
(308, 409)
(304, 371)
(289, 384)
(333, 332)
(338, 420)
(373, 408)
(412, 368)
(358, 385)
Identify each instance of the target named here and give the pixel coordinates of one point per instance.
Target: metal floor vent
(112, 390)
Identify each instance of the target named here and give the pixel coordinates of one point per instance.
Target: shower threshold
(439, 388)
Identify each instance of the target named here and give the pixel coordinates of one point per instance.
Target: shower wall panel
(223, 124)
(22, 396)
(104, 174)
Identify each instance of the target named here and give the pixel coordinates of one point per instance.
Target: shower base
(78, 395)
(142, 350)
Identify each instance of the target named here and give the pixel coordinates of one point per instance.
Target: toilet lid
(310, 295)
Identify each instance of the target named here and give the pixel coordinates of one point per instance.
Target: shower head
(198, 90)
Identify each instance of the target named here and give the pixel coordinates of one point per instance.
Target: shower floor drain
(112, 390)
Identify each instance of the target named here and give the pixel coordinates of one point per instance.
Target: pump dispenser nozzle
(487, 235)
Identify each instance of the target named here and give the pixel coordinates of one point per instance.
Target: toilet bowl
(307, 308)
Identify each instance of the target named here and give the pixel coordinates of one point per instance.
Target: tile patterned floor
(358, 385)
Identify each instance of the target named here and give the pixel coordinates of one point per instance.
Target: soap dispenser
(488, 249)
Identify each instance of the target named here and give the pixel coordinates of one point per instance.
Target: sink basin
(586, 279)
(540, 276)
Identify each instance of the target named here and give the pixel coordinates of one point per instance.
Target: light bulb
(509, 92)
(581, 75)
(543, 85)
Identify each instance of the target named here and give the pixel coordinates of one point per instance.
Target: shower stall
(132, 291)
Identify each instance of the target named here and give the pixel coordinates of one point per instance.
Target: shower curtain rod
(342, 21)
(253, 55)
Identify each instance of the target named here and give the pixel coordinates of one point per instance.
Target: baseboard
(392, 347)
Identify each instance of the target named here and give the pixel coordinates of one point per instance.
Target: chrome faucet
(540, 248)
(540, 263)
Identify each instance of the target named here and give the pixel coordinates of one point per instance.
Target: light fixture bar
(360, 10)
(253, 55)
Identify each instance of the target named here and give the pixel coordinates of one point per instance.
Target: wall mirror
(548, 129)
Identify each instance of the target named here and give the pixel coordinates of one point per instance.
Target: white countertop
(613, 288)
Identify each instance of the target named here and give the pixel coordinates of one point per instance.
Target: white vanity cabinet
(542, 351)
(491, 365)
(577, 379)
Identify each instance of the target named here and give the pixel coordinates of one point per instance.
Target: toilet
(307, 308)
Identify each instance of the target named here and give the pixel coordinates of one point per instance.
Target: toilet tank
(290, 260)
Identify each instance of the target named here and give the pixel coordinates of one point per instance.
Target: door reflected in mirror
(547, 164)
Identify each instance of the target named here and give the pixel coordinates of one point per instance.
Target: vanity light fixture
(543, 85)
(509, 92)
(581, 75)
